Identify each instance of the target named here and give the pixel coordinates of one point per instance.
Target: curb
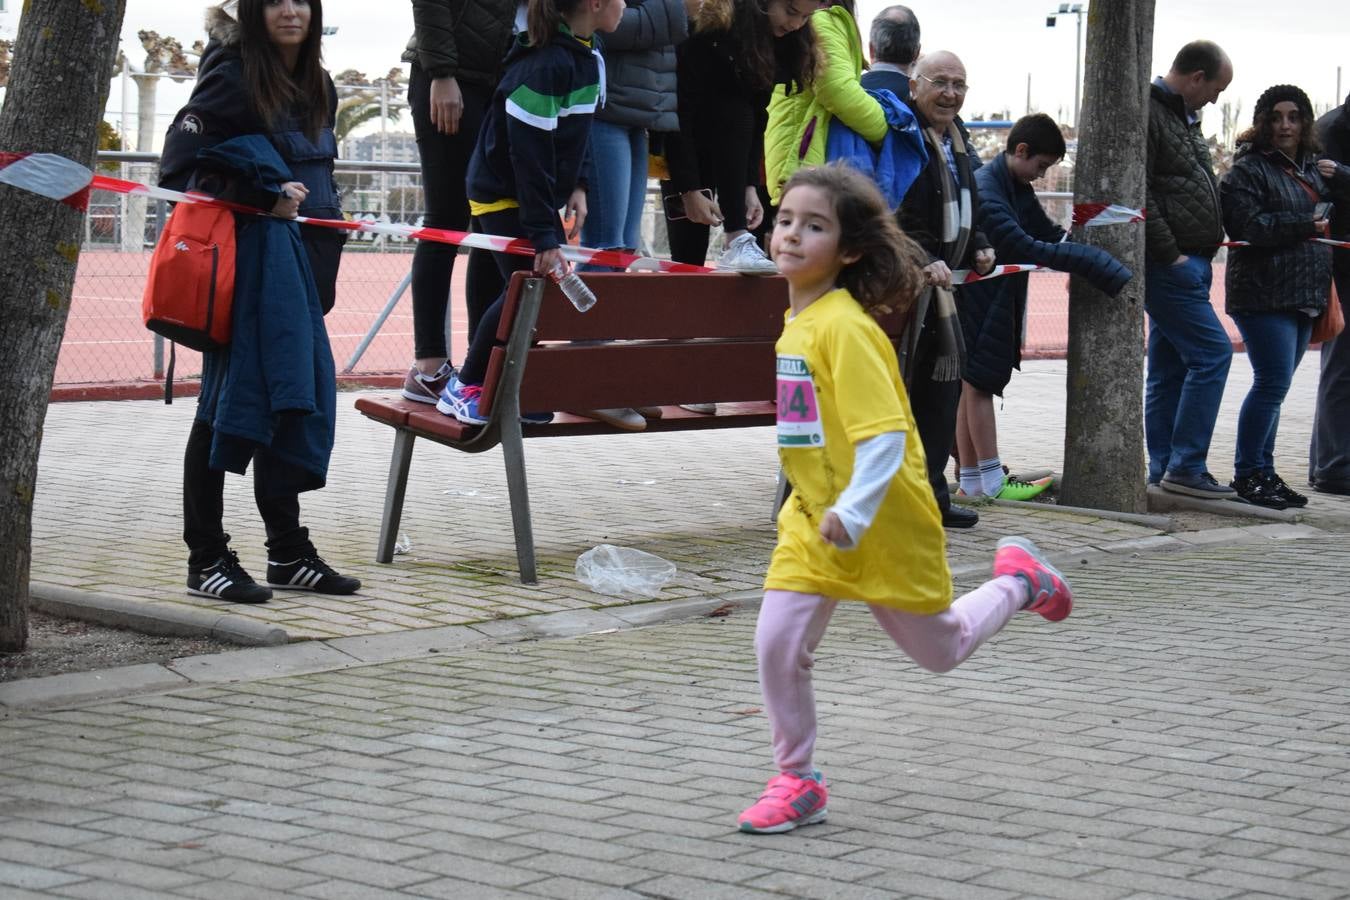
(307, 657)
(152, 618)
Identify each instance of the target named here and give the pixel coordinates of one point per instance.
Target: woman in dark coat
(260, 75)
(1276, 197)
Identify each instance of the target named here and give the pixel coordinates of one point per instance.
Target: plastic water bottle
(573, 287)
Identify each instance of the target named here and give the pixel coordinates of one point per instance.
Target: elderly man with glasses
(937, 212)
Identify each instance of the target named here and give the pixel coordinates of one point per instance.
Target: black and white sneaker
(225, 579)
(309, 573)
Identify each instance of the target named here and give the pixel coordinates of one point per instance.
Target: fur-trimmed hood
(221, 25)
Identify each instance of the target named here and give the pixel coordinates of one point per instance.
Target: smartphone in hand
(674, 204)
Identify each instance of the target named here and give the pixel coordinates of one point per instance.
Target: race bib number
(798, 414)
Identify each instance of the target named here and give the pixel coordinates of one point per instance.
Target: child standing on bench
(528, 161)
(861, 523)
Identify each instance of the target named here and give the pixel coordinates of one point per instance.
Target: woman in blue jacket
(261, 75)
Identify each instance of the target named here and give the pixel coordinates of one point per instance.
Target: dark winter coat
(536, 135)
(466, 39)
(220, 109)
(273, 389)
(920, 215)
(1265, 202)
(992, 311)
(712, 87)
(1333, 129)
(640, 65)
(1183, 194)
(886, 80)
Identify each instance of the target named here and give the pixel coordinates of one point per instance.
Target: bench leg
(513, 449)
(393, 495)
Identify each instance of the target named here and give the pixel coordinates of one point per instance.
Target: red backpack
(190, 289)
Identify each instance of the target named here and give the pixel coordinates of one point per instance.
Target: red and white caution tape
(518, 246)
(968, 276)
(1092, 214)
(62, 179)
(1331, 242)
(48, 175)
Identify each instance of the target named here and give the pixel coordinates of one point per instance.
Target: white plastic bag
(623, 571)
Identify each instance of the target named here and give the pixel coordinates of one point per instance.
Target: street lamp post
(1072, 9)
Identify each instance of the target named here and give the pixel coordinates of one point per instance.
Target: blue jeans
(616, 186)
(1275, 344)
(1188, 358)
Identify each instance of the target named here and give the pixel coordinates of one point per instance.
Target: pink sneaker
(787, 801)
(1050, 593)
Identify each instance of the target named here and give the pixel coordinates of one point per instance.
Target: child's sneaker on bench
(426, 388)
(461, 401)
(744, 255)
(225, 579)
(310, 573)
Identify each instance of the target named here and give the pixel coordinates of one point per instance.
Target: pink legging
(790, 628)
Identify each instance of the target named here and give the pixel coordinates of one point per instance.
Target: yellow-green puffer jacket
(836, 93)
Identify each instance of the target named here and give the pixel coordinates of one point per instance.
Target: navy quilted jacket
(1020, 231)
(272, 390)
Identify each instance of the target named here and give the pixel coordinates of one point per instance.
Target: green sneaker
(1024, 490)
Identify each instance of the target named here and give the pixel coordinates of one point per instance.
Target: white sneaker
(743, 255)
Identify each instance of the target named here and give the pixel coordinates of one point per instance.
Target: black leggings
(445, 164)
(204, 487)
(724, 138)
(505, 222)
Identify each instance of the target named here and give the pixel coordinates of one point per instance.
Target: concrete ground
(451, 733)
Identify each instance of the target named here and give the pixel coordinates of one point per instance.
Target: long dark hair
(888, 274)
(276, 92)
(765, 59)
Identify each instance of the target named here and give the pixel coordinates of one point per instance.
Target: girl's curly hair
(888, 274)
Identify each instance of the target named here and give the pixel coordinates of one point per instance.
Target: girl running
(861, 523)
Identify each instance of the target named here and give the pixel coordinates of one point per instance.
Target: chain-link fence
(106, 343)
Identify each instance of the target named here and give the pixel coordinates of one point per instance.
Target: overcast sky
(1001, 41)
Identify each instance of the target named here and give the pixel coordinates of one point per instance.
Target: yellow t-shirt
(839, 384)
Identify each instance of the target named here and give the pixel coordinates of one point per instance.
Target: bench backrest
(650, 340)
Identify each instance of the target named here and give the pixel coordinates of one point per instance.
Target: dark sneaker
(1047, 588)
(959, 517)
(309, 573)
(1258, 491)
(1202, 484)
(225, 579)
(541, 418)
(426, 388)
(1285, 492)
(1340, 487)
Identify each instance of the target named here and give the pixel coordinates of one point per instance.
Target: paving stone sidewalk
(108, 514)
(1184, 734)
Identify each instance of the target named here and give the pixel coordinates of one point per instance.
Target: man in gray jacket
(1188, 350)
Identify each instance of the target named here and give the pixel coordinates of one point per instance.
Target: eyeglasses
(958, 88)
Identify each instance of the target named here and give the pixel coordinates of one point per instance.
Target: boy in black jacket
(992, 311)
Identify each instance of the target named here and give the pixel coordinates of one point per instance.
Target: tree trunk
(1104, 430)
(58, 85)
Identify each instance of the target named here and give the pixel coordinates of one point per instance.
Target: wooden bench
(681, 339)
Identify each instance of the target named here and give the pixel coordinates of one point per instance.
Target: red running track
(105, 343)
